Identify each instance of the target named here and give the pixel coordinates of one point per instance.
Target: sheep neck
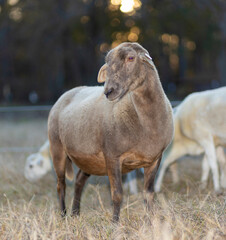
(148, 99)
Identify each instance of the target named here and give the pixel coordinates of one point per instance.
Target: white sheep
(200, 127)
(112, 130)
(38, 164)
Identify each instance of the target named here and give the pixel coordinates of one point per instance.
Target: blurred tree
(50, 46)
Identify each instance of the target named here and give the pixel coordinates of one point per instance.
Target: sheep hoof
(219, 192)
(115, 219)
(157, 189)
(63, 214)
(223, 183)
(203, 185)
(75, 213)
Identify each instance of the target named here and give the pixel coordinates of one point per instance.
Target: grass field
(31, 211)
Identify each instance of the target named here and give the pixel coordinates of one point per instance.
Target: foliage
(47, 47)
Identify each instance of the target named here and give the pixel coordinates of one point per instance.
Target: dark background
(50, 46)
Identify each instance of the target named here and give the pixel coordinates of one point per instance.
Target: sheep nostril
(30, 166)
(107, 93)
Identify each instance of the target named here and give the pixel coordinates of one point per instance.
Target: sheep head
(36, 167)
(124, 70)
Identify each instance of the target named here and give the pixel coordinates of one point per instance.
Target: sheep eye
(131, 59)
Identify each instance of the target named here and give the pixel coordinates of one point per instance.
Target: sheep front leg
(210, 155)
(222, 162)
(174, 172)
(161, 173)
(149, 179)
(115, 178)
(131, 182)
(169, 157)
(81, 179)
(205, 172)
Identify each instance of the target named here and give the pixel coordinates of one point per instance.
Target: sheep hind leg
(59, 161)
(115, 178)
(81, 179)
(149, 179)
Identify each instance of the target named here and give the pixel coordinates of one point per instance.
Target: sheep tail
(69, 169)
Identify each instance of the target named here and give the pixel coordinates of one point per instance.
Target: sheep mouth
(116, 96)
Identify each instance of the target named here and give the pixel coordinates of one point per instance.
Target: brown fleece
(111, 130)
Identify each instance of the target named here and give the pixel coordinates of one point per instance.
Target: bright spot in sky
(127, 6)
(116, 2)
(15, 14)
(12, 2)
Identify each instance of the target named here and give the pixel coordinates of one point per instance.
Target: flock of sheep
(129, 124)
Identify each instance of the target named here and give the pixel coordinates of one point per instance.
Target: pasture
(31, 210)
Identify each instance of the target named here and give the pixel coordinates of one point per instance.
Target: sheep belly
(131, 161)
(90, 164)
(95, 164)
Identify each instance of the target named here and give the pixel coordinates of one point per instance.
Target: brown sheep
(112, 130)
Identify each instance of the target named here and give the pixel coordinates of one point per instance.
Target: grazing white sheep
(200, 127)
(38, 164)
(112, 130)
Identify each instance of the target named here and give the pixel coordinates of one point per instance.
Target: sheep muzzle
(107, 92)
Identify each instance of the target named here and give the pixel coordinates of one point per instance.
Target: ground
(31, 210)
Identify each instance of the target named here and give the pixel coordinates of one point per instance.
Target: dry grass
(30, 211)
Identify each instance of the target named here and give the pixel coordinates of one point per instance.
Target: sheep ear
(146, 58)
(102, 74)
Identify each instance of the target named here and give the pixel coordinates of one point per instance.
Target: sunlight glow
(137, 4)
(12, 2)
(127, 6)
(115, 44)
(190, 45)
(115, 22)
(116, 2)
(84, 19)
(135, 30)
(104, 47)
(172, 40)
(132, 37)
(129, 23)
(174, 61)
(15, 14)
